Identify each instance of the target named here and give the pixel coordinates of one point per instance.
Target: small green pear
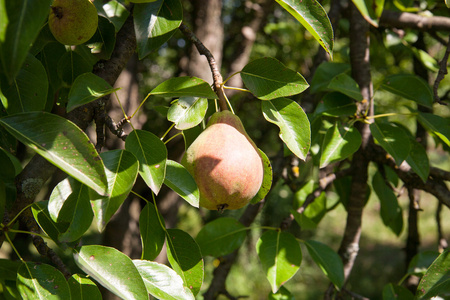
(73, 22)
(225, 163)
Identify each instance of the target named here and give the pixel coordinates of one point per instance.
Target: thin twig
(441, 74)
(217, 77)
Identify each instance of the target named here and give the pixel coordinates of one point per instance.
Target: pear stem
(217, 77)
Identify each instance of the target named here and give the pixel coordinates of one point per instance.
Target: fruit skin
(225, 163)
(73, 22)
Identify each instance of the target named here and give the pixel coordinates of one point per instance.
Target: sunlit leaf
(62, 143)
(393, 139)
(187, 112)
(436, 125)
(41, 281)
(267, 79)
(280, 256)
(339, 143)
(294, 125)
(185, 258)
(162, 282)
(436, 281)
(182, 182)
(314, 18)
(370, 9)
(82, 287)
(86, 88)
(112, 269)
(155, 23)
(267, 179)
(184, 87)
(151, 154)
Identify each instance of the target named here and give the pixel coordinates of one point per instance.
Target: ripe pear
(73, 22)
(225, 163)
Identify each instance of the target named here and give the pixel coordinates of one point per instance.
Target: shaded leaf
(151, 154)
(184, 87)
(8, 269)
(418, 160)
(328, 260)
(187, 112)
(267, 79)
(339, 143)
(121, 169)
(436, 125)
(152, 229)
(267, 179)
(394, 292)
(421, 262)
(71, 65)
(393, 139)
(294, 125)
(325, 73)
(280, 256)
(314, 18)
(104, 40)
(436, 281)
(390, 210)
(221, 236)
(112, 269)
(336, 104)
(82, 287)
(62, 143)
(346, 85)
(19, 27)
(86, 88)
(162, 282)
(281, 294)
(182, 182)
(28, 91)
(185, 258)
(42, 217)
(41, 281)
(155, 23)
(410, 87)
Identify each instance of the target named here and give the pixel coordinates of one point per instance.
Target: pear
(73, 22)
(225, 163)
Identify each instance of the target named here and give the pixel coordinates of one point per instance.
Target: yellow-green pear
(73, 22)
(225, 163)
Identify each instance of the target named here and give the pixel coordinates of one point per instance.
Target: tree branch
(217, 77)
(441, 74)
(413, 21)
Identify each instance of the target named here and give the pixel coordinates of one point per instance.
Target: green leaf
(421, 262)
(185, 258)
(325, 73)
(418, 160)
(346, 85)
(121, 169)
(339, 143)
(152, 229)
(28, 91)
(184, 87)
(82, 287)
(394, 292)
(221, 236)
(20, 23)
(61, 193)
(42, 217)
(162, 282)
(280, 256)
(314, 18)
(436, 281)
(187, 112)
(390, 210)
(314, 212)
(267, 179)
(328, 260)
(267, 79)
(41, 281)
(336, 105)
(393, 139)
(114, 11)
(436, 125)
(410, 87)
(71, 65)
(60, 142)
(182, 182)
(281, 294)
(294, 125)
(8, 269)
(152, 156)
(112, 269)
(370, 9)
(103, 42)
(86, 88)
(155, 23)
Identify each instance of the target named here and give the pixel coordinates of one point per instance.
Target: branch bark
(406, 20)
